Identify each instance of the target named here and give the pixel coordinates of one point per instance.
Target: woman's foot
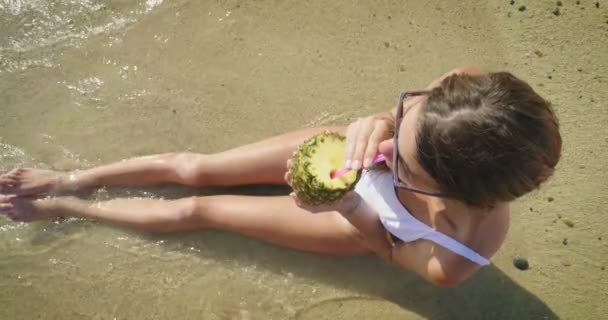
(25, 209)
(24, 181)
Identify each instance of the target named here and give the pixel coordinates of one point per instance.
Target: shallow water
(84, 82)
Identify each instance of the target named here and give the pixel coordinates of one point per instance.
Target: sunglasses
(397, 182)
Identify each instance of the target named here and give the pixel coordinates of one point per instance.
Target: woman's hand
(346, 204)
(363, 137)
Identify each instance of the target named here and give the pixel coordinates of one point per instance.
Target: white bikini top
(376, 188)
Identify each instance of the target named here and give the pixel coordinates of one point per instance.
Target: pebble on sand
(565, 241)
(559, 3)
(522, 8)
(568, 222)
(521, 263)
(550, 199)
(556, 12)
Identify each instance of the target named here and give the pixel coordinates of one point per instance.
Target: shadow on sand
(490, 294)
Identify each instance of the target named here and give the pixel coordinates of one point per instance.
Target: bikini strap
(457, 247)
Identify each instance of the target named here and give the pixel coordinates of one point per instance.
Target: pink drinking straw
(338, 173)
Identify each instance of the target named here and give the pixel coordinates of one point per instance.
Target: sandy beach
(89, 82)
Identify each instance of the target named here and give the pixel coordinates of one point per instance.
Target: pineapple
(312, 167)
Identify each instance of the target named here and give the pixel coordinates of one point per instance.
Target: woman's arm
(366, 221)
(434, 263)
(361, 216)
(364, 135)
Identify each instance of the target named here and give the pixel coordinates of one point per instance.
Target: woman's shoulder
(491, 229)
(482, 230)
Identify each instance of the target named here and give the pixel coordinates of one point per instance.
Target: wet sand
(109, 80)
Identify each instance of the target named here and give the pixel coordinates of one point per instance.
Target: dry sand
(84, 84)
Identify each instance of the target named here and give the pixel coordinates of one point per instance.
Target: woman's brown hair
(488, 138)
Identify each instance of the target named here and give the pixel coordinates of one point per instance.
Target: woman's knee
(190, 210)
(183, 215)
(187, 167)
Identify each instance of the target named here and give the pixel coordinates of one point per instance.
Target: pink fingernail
(367, 163)
(355, 165)
(347, 164)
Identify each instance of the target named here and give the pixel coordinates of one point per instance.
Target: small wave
(85, 86)
(17, 7)
(33, 30)
(8, 65)
(151, 4)
(11, 156)
(30, 41)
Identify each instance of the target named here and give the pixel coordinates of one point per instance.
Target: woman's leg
(257, 163)
(272, 219)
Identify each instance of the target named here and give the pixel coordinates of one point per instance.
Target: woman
(457, 153)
